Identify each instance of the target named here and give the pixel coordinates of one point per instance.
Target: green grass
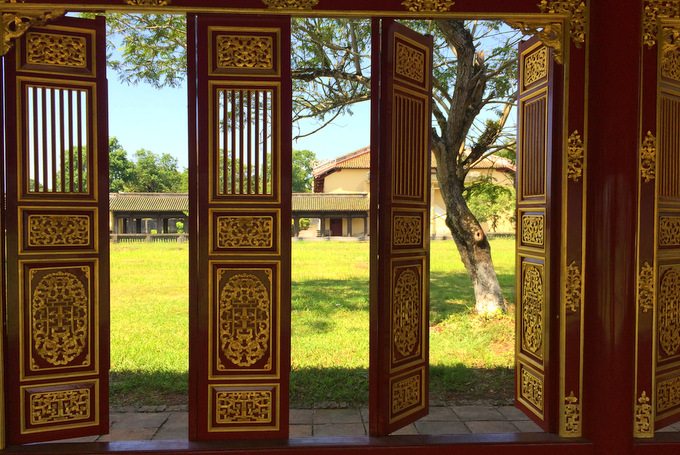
(471, 356)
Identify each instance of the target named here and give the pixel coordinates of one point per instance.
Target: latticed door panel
(57, 232)
(240, 283)
(536, 279)
(658, 337)
(400, 185)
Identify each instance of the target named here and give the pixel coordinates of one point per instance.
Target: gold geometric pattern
(408, 230)
(669, 230)
(532, 229)
(59, 406)
(532, 309)
(440, 6)
(535, 66)
(532, 389)
(243, 406)
(59, 317)
(245, 231)
(572, 295)
(54, 49)
(405, 393)
(244, 318)
(575, 155)
(240, 51)
(58, 230)
(406, 314)
(667, 394)
(646, 288)
(643, 417)
(410, 62)
(572, 416)
(669, 312)
(655, 9)
(648, 157)
(290, 4)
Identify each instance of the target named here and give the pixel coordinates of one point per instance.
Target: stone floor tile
(468, 413)
(322, 416)
(128, 434)
(512, 413)
(138, 420)
(299, 431)
(171, 433)
(440, 427)
(527, 426)
(177, 420)
(301, 416)
(408, 429)
(364, 414)
(339, 429)
(441, 413)
(491, 426)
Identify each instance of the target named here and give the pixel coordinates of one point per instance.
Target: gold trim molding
(644, 425)
(648, 157)
(575, 153)
(655, 10)
(14, 25)
(646, 288)
(430, 6)
(290, 4)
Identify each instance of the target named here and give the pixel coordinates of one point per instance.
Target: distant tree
(302, 170)
(489, 201)
(184, 185)
(120, 167)
(155, 173)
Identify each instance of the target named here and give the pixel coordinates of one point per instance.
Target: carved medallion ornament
(406, 316)
(405, 393)
(532, 389)
(669, 312)
(245, 52)
(669, 231)
(410, 62)
(572, 294)
(245, 231)
(575, 154)
(646, 288)
(643, 417)
(59, 317)
(408, 230)
(58, 230)
(654, 10)
(535, 66)
(290, 4)
(532, 309)
(572, 415)
(667, 394)
(243, 406)
(430, 6)
(59, 406)
(532, 229)
(648, 157)
(15, 25)
(244, 319)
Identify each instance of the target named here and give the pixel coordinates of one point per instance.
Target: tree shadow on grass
(148, 388)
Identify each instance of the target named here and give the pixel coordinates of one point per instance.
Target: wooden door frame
(613, 47)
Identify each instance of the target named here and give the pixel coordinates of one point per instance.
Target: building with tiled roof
(142, 213)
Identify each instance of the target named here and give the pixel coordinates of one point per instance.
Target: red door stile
(400, 201)
(240, 246)
(57, 285)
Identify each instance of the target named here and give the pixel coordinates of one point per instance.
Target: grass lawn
(471, 357)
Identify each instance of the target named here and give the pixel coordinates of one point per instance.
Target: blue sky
(143, 117)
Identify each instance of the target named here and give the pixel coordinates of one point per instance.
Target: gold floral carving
(572, 296)
(408, 230)
(532, 229)
(407, 311)
(532, 389)
(290, 4)
(245, 231)
(58, 230)
(532, 309)
(245, 52)
(549, 33)
(406, 393)
(575, 154)
(148, 2)
(244, 319)
(654, 10)
(669, 311)
(410, 62)
(646, 288)
(243, 406)
(572, 416)
(667, 394)
(670, 54)
(59, 317)
(433, 6)
(15, 25)
(648, 157)
(59, 406)
(576, 10)
(55, 49)
(536, 66)
(643, 417)
(669, 230)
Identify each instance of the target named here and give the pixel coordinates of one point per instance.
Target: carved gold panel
(406, 393)
(530, 386)
(244, 231)
(59, 406)
(670, 65)
(533, 308)
(533, 229)
(669, 230)
(646, 288)
(56, 50)
(572, 292)
(648, 157)
(643, 426)
(572, 416)
(148, 2)
(408, 230)
(407, 314)
(58, 230)
(245, 52)
(243, 406)
(290, 4)
(410, 62)
(434, 6)
(668, 312)
(535, 66)
(667, 394)
(575, 156)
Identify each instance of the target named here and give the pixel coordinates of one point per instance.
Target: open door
(240, 199)
(57, 300)
(400, 201)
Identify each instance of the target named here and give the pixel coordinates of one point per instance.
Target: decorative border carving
(572, 296)
(430, 6)
(572, 416)
(655, 9)
(648, 157)
(646, 288)
(290, 4)
(644, 426)
(575, 154)
(15, 25)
